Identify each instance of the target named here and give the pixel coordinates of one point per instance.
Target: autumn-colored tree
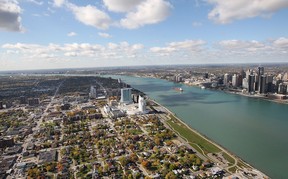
(145, 164)
(157, 140)
(170, 175)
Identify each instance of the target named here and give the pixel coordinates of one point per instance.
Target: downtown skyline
(39, 34)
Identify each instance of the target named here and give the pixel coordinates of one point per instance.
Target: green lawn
(228, 158)
(192, 137)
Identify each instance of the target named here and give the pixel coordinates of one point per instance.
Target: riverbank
(206, 146)
(280, 101)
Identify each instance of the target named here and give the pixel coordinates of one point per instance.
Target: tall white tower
(142, 104)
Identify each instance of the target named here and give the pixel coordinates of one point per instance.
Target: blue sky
(38, 34)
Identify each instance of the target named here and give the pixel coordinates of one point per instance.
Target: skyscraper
(260, 73)
(142, 104)
(262, 82)
(126, 95)
(235, 80)
(227, 78)
(269, 82)
(251, 81)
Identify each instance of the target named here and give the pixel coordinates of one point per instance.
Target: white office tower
(142, 104)
(126, 96)
(93, 92)
(245, 83)
(235, 80)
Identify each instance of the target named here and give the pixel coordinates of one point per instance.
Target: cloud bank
(225, 11)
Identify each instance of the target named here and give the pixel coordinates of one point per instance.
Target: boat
(178, 89)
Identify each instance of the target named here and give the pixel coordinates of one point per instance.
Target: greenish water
(253, 129)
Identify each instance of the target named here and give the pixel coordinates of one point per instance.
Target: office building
(227, 79)
(269, 84)
(126, 96)
(245, 83)
(251, 83)
(262, 86)
(142, 104)
(33, 101)
(248, 72)
(93, 92)
(242, 73)
(258, 85)
(282, 88)
(235, 80)
(256, 82)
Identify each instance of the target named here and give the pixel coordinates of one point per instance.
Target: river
(253, 129)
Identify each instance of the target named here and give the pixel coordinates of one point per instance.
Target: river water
(255, 130)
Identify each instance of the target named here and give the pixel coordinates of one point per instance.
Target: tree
(170, 175)
(123, 161)
(133, 157)
(198, 162)
(48, 168)
(157, 140)
(145, 164)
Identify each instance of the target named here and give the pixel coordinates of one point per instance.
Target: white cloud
(188, 51)
(36, 2)
(71, 34)
(123, 49)
(281, 42)
(71, 54)
(59, 3)
(187, 45)
(239, 46)
(104, 35)
(10, 19)
(121, 5)
(148, 12)
(225, 11)
(91, 16)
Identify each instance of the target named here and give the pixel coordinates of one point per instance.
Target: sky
(38, 34)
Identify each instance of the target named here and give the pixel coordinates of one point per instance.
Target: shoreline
(278, 101)
(222, 149)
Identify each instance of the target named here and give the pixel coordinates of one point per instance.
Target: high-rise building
(142, 104)
(178, 78)
(256, 82)
(269, 83)
(93, 92)
(248, 72)
(262, 82)
(282, 89)
(126, 95)
(227, 79)
(260, 73)
(285, 77)
(251, 81)
(245, 83)
(235, 80)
